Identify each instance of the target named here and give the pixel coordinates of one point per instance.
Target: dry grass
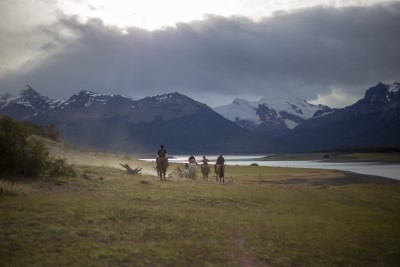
(109, 218)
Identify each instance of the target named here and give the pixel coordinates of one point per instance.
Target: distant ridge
(122, 124)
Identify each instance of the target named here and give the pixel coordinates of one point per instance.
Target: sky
(325, 51)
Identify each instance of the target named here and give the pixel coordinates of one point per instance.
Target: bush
(20, 154)
(59, 167)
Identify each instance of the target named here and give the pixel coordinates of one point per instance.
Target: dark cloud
(307, 52)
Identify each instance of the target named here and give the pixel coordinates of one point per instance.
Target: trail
(245, 259)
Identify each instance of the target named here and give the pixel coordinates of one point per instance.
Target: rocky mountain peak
(275, 114)
(29, 94)
(378, 97)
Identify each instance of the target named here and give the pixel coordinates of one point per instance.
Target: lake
(370, 168)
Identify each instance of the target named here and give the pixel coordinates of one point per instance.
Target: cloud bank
(317, 53)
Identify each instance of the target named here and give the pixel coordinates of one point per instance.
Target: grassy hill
(261, 216)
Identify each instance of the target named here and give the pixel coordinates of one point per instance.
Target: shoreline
(337, 157)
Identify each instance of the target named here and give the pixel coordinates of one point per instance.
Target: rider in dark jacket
(220, 159)
(162, 152)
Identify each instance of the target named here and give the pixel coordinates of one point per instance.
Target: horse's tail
(220, 168)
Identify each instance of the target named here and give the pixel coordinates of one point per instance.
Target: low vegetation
(261, 216)
(21, 153)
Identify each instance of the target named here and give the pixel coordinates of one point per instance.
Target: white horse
(192, 170)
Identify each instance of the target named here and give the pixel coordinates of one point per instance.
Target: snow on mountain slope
(274, 114)
(240, 109)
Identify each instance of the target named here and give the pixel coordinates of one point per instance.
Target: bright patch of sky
(336, 98)
(153, 14)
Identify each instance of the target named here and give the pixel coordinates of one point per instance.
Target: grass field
(261, 216)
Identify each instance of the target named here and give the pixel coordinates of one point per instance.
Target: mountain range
(122, 124)
(275, 116)
(371, 121)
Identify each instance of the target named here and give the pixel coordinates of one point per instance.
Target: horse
(192, 170)
(179, 172)
(219, 171)
(205, 170)
(162, 166)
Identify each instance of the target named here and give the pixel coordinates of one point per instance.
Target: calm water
(379, 169)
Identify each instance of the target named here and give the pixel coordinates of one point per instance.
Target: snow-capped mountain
(275, 115)
(120, 123)
(31, 106)
(27, 104)
(87, 104)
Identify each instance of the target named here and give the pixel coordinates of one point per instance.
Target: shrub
(59, 167)
(13, 145)
(20, 154)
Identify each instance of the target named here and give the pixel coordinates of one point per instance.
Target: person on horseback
(220, 159)
(204, 160)
(205, 168)
(220, 168)
(162, 162)
(192, 159)
(162, 152)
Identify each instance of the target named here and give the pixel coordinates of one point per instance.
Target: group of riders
(190, 167)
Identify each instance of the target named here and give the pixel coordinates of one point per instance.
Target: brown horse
(205, 170)
(162, 166)
(219, 172)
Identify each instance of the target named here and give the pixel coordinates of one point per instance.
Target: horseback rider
(220, 162)
(220, 159)
(161, 161)
(205, 160)
(162, 152)
(192, 159)
(205, 168)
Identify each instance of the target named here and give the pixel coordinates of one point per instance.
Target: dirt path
(245, 259)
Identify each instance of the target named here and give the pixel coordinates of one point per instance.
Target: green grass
(113, 219)
(380, 157)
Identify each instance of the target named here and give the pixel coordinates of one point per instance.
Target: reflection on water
(370, 168)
